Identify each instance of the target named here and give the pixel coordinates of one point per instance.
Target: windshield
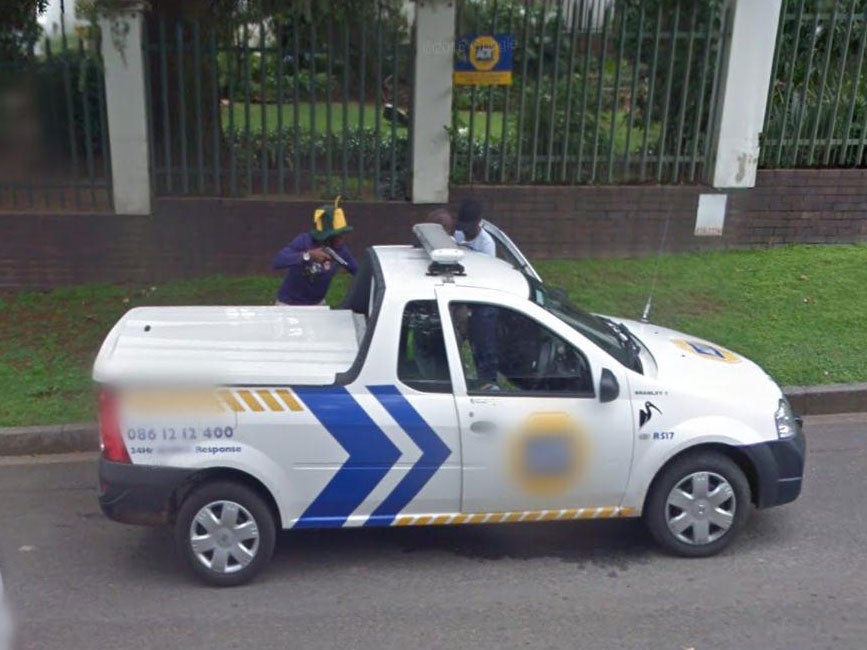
(594, 328)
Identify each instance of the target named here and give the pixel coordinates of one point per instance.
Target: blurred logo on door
(548, 454)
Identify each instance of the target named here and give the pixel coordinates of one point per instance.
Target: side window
(505, 254)
(505, 351)
(422, 363)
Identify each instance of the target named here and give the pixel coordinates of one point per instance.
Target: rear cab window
(422, 362)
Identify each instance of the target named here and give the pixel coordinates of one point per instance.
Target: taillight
(110, 437)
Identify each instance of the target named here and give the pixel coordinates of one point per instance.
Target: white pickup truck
(449, 388)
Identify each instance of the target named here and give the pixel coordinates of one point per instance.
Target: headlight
(787, 424)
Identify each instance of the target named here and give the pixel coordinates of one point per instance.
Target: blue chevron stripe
(434, 454)
(371, 455)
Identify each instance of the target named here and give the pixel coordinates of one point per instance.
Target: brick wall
(193, 237)
(790, 206)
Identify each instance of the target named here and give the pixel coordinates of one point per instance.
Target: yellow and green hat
(328, 221)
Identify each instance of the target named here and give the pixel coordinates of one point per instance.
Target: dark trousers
(483, 338)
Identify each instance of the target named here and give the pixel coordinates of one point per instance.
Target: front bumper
(779, 468)
(139, 494)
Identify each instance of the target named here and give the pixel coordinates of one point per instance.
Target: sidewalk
(66, 438)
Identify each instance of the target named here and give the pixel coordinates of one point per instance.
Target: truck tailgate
(229, 345)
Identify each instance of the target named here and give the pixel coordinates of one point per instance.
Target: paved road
(796, 579)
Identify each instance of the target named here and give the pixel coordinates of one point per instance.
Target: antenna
(649, 304)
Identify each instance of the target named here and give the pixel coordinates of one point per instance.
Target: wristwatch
(305, 256)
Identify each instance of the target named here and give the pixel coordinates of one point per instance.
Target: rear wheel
(698, 504)
(225, 532)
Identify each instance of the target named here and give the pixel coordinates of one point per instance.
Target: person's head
(469, 218)
(329, 225)
(444, 218)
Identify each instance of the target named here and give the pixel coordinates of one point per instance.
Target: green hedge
(362, 150)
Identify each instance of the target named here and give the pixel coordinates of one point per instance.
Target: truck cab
(449, 387)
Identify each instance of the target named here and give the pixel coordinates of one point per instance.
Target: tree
(19, 30)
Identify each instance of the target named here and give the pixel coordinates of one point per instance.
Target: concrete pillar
(744, 91)
(126, 110)
(432, 100)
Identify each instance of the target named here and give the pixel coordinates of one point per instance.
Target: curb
(67, 438)
(49, 439)
(827, 399)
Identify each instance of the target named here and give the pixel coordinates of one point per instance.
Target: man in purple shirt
(312, 258)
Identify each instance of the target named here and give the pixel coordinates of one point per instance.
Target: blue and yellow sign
(707, 351)
(484, 60)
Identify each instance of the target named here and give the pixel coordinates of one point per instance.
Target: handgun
(333, 255)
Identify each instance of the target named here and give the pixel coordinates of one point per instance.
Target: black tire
(657, 510)
(259, 512)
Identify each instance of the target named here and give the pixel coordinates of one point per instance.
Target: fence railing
(628, 96)
(817, 100)
(54, 149)
(310, 106)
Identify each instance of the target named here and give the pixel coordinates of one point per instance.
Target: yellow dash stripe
(289, 399)
(248, 398)
(510, 517)
(270, 401)
(229, 399)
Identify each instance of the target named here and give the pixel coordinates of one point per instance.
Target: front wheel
(225, 532)
(698, 504)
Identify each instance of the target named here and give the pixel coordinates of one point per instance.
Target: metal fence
(54, 149)
(628, 96)
(310, 106)
(817, 100)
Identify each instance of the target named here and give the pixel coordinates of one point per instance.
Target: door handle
(481, 400)
(483, 426)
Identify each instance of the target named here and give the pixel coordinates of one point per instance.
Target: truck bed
(229, 345)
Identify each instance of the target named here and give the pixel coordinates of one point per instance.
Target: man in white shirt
(469, 231)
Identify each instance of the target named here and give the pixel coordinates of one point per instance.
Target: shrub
(361, 147)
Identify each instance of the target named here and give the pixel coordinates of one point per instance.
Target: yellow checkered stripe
(239, 400)
(513, 517)
(259, 400)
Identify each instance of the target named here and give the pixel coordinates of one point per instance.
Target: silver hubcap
(701, 508)
(224, 536)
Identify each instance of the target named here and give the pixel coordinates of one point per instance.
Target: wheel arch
(733, 453)
(213, 474)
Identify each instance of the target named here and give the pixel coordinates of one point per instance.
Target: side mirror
(609, 389)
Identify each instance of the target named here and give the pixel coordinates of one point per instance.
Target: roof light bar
(444, 253)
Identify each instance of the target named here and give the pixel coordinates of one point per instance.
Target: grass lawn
(353, 116)
(479, 119)
(320, 117)
(798, 311)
